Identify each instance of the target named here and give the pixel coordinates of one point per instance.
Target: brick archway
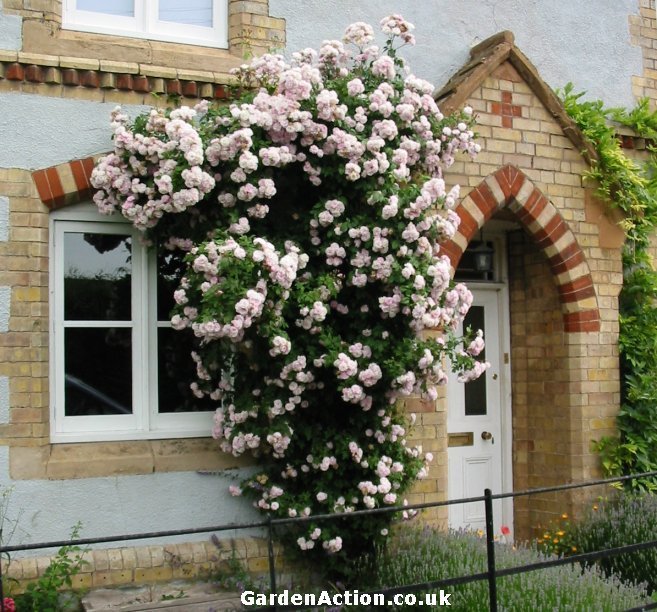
(509, 187)
(65, 184)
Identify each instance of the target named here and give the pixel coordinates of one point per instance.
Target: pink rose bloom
(384, 67)
(355, 87)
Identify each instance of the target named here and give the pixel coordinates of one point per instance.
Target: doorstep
(173, 597)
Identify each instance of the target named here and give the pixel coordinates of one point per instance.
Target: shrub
(629, 518)
(423, 555)
(306, 220)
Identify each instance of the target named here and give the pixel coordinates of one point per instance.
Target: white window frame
(146, 422)
(145, 24)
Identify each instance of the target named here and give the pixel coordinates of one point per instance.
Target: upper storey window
(195, 22)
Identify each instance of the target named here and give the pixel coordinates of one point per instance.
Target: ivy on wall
(631, 187)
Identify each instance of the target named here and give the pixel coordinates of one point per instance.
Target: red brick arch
(510, 188)
(65, 184)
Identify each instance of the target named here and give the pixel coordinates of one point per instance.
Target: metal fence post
(490, 550)
(2, 586)
(270, 549)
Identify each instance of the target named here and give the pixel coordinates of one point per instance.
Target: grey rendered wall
(586, 42)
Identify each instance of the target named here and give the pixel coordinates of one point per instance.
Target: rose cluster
(308, 216)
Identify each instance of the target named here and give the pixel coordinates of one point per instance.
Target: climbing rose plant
(304, 220)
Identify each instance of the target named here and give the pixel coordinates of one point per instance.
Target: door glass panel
(192, 12)
(475, 391)
(97, 277)
(124, 8)
(98, 371)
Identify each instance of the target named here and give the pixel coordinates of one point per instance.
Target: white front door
(478, 422)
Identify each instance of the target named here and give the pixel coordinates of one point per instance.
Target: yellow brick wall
(565, 386)
(201, 560)
(24, 347)
(643, 33)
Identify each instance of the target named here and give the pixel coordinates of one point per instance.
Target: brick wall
(541, 379)
(643, 33)
(430, 432)
(564, 278)
(250, 30)
(24, 341)
(158, 563)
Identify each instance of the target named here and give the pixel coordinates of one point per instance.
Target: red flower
(505, 530)
(9, 605)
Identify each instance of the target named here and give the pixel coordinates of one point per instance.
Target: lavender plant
(423, 555)
(306, 218)
(628, 518)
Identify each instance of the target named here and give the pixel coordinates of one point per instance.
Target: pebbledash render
(553, 287)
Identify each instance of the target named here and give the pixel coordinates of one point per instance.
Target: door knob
(487, 435)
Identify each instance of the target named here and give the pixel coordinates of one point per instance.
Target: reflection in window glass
(192, 12)
(97, 277)
(98, 366)
(123, 8)
(175, 371)
(170, 269)
(475, 390)
(175, 367)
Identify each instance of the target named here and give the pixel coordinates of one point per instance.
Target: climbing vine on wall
(631, 187)
(306, 218)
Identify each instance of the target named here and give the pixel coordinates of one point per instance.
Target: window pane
(125, 8)
(175, 371)
(97, 277)
(193, 12)
(170, 268)
(98, 371)
(475, 390)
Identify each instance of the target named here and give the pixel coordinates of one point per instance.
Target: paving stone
(176, 596)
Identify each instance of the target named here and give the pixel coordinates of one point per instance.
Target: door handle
(487, 435)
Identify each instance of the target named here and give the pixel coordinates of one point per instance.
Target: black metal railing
(491, 575)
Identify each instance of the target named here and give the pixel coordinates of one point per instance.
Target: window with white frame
(195, 22)
(118, 369)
